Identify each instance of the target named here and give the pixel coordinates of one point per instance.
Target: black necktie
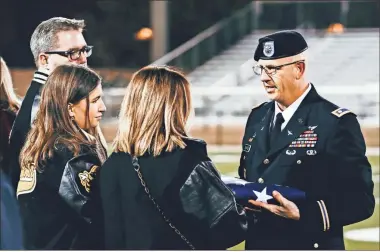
(276, 129)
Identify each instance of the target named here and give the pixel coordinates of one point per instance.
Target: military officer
(301, 140)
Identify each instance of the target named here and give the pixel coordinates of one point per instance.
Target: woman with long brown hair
(9, 106)
(159, 189)
(59, 163)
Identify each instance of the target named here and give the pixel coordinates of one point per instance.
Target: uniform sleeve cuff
(314, 216)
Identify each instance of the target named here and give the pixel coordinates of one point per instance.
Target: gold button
(299, 161)
(261, 180)
(266, 161)
(316, 245)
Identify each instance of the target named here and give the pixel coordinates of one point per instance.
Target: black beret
(280, 45)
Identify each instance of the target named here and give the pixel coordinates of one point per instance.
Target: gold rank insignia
(341, 112)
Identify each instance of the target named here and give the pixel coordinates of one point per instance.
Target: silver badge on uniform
(311, 152)
(268, 48)
(290, 153)
(247, 148)
(313, 127)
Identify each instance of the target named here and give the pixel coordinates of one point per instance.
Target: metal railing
(212, 41)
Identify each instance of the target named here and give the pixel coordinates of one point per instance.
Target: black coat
(60, 206)
(22, 124)
(320, 151)
(187, 187)
(11, 230)
(7, 117)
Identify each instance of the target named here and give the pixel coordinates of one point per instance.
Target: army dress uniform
(321, 150)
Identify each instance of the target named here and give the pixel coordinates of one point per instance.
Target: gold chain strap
(136, 166)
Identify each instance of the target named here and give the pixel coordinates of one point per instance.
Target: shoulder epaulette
(339, 112)
(259, 105)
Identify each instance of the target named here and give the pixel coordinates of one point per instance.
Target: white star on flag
(262, 196)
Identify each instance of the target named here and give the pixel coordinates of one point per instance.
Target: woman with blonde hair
(9, 106)
(59, 163)
(159, 189)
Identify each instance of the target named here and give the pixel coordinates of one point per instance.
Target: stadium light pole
(344, 9)
(159, 23)
(299, 10)
(257, 10)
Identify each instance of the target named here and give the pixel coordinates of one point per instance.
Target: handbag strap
(136, 166)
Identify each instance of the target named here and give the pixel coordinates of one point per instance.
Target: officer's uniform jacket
(320, 151)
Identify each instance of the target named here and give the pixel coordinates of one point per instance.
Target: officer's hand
(287, 208)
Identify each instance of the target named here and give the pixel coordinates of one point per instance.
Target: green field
(374, 221)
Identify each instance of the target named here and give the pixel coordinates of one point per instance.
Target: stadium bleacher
(344, 68)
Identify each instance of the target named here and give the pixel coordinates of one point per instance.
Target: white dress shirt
(289, 111)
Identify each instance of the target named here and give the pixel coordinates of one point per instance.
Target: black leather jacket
(207, 198)
(60, 206)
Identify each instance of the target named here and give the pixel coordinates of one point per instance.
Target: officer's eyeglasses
(271, 70)
(74, 54)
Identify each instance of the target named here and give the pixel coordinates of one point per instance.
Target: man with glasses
(301, 140)
(54, 42)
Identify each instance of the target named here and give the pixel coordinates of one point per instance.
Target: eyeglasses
(74, 54)
(271, 70)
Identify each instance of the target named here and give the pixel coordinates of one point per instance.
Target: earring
(76, 127)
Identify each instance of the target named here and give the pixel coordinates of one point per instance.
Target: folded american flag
(244, 191)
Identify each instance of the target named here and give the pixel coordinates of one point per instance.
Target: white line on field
(225, 158)
(364, 234)
(371, 151)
